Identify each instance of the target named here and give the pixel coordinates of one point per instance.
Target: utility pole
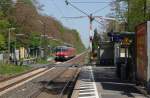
(15, 58)
(91, 19)
(145, 9)
(9, 41)
(44, 36)
(148, 9)
(45, 42)
(128, 19)
(9, 46)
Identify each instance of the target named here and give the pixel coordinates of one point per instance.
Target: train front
(61, 54)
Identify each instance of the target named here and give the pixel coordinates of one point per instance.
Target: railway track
(14, 76)
(12, 83)
(70, 83)
(16, 81)
(60, 85)
(79, 59)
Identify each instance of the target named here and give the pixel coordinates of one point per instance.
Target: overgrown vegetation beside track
(7, 70)
(24, 17)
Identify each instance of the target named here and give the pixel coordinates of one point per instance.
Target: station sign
(126, 41)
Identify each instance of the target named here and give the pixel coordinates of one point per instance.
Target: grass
(12, 69)
(41, 61)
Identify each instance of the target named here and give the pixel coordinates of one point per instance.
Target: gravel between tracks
(62, 80)
(26, 90)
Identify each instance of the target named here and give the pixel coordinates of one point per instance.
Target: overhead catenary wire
(6, 3)
(98, 21)
(76, 7)
(62, 14)
(75, 17)
(100, 9)
(91, 19)
(89, 2)
(60, 11)
(90, 16)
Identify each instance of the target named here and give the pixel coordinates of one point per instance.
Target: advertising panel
(148, 49)
(141, 51)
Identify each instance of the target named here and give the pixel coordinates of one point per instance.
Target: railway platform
(101, 82)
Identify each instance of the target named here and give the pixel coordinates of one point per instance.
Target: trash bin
(123, 72)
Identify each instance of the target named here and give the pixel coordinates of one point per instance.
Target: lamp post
(45, 45)
(15, 48)
(9, 40)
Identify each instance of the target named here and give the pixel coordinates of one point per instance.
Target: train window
(60, 49)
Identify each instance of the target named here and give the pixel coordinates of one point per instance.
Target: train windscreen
(60, 49)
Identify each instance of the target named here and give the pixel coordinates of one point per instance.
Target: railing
(25, 61)
(30, 61)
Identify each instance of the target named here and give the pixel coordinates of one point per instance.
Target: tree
(25, 18)
(34, 40)
(95, 42)
(131, 12)
(4, 24)
(5, 6)
(2, 43)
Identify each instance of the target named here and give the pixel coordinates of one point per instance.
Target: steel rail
(68, 83)
(20, 80)
(40, 89)
(61, 73)
(17, 75)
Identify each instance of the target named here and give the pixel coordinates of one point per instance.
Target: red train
(63, 53)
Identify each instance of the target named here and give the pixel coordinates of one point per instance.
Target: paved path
(111, 87)
(107, 85)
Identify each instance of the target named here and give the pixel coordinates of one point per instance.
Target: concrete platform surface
(101, 82)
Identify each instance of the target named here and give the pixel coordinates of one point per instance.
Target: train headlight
(66, 56)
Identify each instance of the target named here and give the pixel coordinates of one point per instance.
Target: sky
(58, 9)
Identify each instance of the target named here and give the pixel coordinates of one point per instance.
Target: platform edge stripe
(87, 93)
(88, 97)
(87, 90)
(96, 91)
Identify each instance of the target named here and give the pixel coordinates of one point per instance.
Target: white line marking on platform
(88, 87)
(96, 92)
(88, 97)
(87, 93)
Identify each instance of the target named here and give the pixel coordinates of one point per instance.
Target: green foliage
(4, 24)
(5, 6)
(77, 41)
(34, 39)
(24, 18)
(2, 42)
(54, 43)
(95, 42)
(1, 14)
(134, 14)
(12, 69)
(29, 2)
(41, 61)
(60, 26)
(62, 30)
